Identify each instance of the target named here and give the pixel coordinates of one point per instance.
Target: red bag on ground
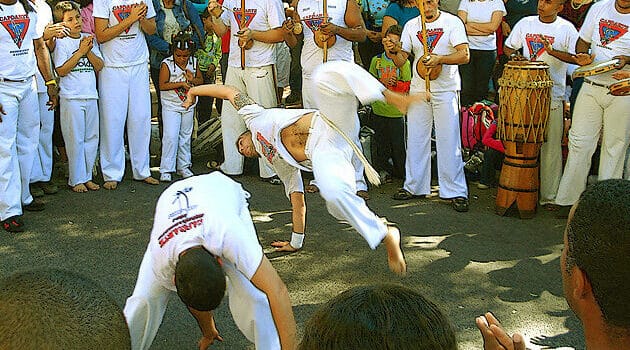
(475, 120)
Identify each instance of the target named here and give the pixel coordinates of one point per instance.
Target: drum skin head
(595, 68)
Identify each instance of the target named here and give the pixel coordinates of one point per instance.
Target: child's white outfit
(177, 121)
(78, 106)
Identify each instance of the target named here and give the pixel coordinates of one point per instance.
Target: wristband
(51, 82)
(297, 239)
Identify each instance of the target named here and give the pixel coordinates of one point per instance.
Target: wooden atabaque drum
(524, 104)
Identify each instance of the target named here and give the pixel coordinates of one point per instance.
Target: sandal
(460, 204)
(403, 195)
(363, 194)
(311, 188)
(13, 224)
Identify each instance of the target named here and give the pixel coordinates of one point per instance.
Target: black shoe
(460, 204)
(35, 205)
(274, 180)
(48, 187)
(36, 191)
(293, 98)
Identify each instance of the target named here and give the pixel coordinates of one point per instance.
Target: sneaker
(36, 191)
(48, 187)
(482, 186)
(166, 177)
(274, 180)
(35, 205)
(185, 173)
(13, 224)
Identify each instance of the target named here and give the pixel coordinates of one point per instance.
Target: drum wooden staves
(524, 104)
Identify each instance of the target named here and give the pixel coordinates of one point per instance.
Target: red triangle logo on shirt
(17, 27)
(610, 31)
(121, 12)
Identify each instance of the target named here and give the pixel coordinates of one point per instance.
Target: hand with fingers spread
(494, 337)
(57, 30)
(283, 246)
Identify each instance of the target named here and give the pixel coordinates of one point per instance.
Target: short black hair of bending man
(199, 279)
(383, 316)
(598, 237)
(56, 309)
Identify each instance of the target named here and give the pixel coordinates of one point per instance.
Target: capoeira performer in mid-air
(202, 232)
(320, 141)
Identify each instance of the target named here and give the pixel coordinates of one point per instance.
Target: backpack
(475, 120)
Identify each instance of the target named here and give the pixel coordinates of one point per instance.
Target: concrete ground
(467, 263)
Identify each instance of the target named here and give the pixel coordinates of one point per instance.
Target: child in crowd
(77, 58)
(178, 73)
(209, 56)
(492, 158)
(388, 122)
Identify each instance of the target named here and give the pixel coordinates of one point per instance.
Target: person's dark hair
(598, 238)
(395, 29)
(183, 41)
(199, 279)
(56, 309)
(383, 316)
(62, 7)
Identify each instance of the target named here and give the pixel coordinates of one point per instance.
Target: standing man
(605, 34)
(550, 39)
(22, 52)
(447, 48)
(257, 33)
(124, 87)
(202, 232)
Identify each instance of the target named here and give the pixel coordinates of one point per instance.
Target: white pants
(443, 113)
(339, 84)
(551, 154)
(43, 159)
(19, 133)
(125, 100)
(177, 131)
(79, 126)
(595, 111)
(259, 84)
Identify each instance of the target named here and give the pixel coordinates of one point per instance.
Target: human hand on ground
(494, 337)
(207, 340)
(283, 246)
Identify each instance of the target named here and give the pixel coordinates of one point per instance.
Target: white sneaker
(166, 177)
(185, 173)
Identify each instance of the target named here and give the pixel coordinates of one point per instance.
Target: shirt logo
(17, 27)
(536, 46)
(610, 31)
(121, 12)
(433, 37)
(267, 148)
(181, 93)
(314, 22)
(249, 16)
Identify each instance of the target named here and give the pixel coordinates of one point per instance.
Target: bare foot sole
(110, 185)
(311, 189)
(92, 186)
(151, 181)
(80, 188)
(395, 256)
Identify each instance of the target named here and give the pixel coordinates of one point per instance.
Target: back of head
(199, 279)
(55, 309)
(598, 236)
(384, 316)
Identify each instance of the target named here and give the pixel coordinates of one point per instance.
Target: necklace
(580, 3)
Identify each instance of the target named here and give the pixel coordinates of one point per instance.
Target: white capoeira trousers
(259, 84)
(443, 113)
(177, 130)
(79, 125)
(595, 111)
(19, 132)
(339, 84)
(124, 100)
(551, 154)
(43, 159)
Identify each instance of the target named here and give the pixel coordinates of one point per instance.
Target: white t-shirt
(561, 34)
(266, 126)
(80, 83)
(130, 47)
(312, 55)
(203, 210)
(17, 53)
(481, 12)
(172, 99)
(44, 17)
(443, 34)
(261, 15)
(607, 31)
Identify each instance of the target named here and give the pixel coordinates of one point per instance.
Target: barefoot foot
(395, 257)
(110, 185)
(80, 188)
(151, 181)
(92, 186)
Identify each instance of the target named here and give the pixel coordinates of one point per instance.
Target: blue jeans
(476, 76)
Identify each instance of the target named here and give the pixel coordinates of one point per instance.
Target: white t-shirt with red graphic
(129, 48)
(607, 31)
(443, 34)
(172, 99)
(261, 15)
(80, 83)
(560, 33)
(311, 12)
(481, 12)
(17, 53)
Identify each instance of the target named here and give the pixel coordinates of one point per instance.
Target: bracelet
(297, 239)
(51, 82)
